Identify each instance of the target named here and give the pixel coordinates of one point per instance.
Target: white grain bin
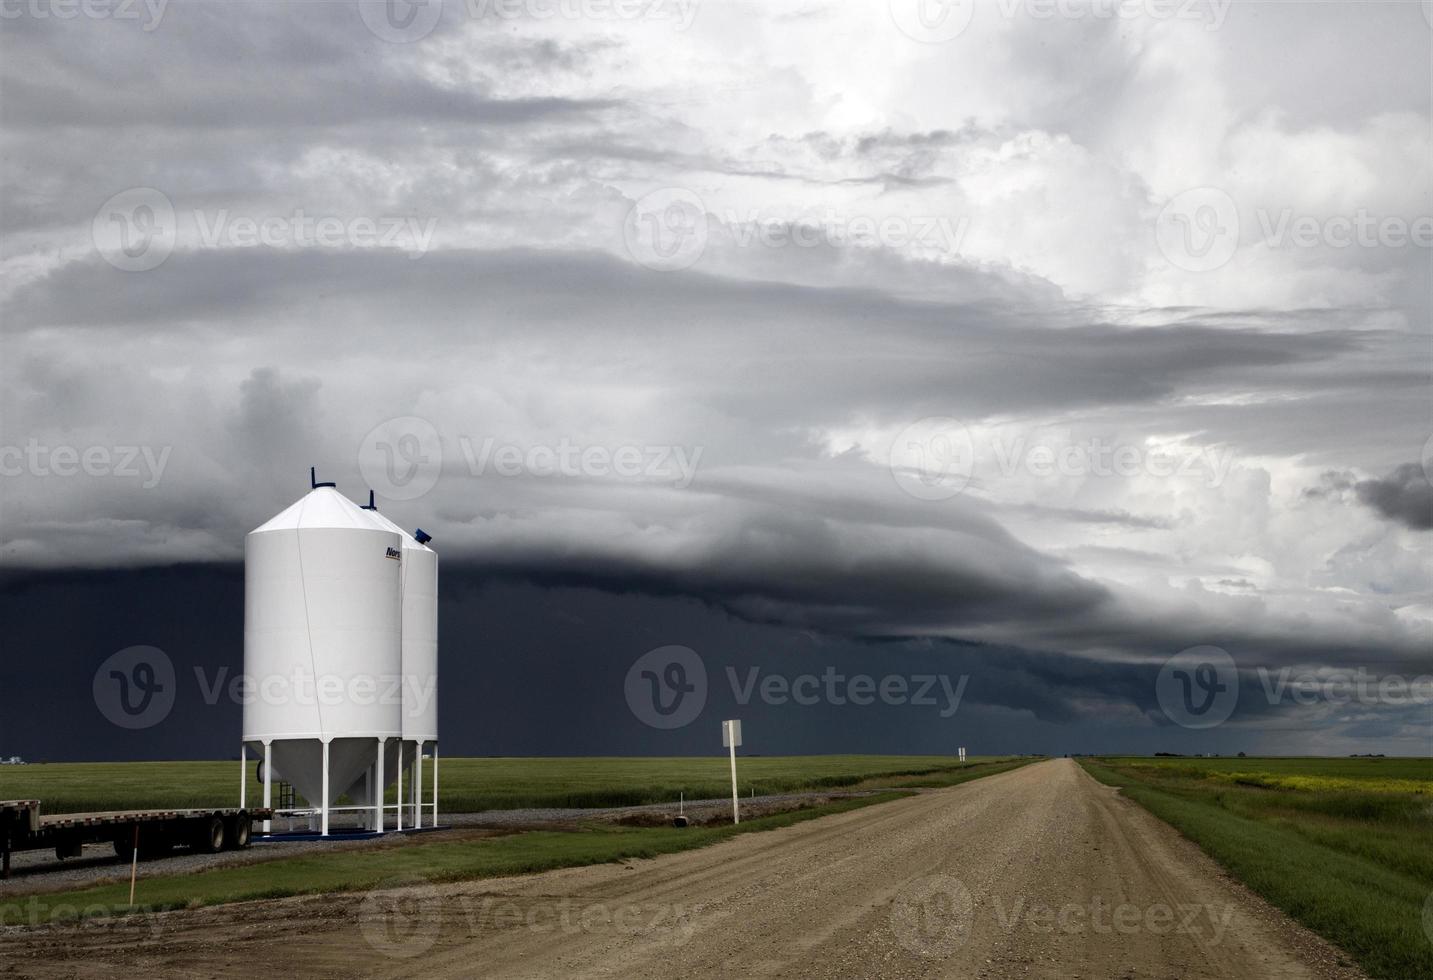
(420, 632)
(323, 645)
(420, 666)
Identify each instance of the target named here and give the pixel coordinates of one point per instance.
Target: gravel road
(1038, 872)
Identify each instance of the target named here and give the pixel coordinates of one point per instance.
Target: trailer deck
(155, 832)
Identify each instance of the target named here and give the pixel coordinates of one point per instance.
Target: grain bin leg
(323, 804)
(378, 789)
(414, 789)
(398, 793)
(418, 786)
(435, 784)
(268, 790)
(367, 795)
(243, 776)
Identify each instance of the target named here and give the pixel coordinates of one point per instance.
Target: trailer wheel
(124, 848)
(211, 836)
(241, 831)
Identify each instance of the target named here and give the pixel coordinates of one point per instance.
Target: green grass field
(420, 856)
(468, 785)
(1345, 846)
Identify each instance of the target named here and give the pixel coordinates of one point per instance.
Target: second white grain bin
(323, 649)
(420, 675)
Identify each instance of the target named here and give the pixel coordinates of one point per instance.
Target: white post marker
(133, 865)
(731, 738)
(962, 753)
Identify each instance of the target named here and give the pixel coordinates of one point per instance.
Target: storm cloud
(799, 327)
(1405, 495)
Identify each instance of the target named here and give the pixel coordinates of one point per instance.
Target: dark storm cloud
(516, 656)
(791, 369)
(1405, 496)
(1003, 361)
(331, 104)
(777, 567)
(310, 65)
(825, 543)
(1081, 516)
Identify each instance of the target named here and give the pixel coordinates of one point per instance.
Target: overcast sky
(1051, 338)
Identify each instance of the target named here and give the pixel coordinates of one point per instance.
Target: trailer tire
(124, 848)
(211, 836)
(240, 832)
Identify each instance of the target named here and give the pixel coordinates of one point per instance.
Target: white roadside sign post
(731, 738)
(962, 753)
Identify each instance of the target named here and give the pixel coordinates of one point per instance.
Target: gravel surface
(998, 878)
(38, 871)
(652, 814)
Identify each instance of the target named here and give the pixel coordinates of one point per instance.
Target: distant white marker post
(962, 753)
(731, 738)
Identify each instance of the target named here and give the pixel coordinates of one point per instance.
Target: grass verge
(1354, 866)
(361, 869)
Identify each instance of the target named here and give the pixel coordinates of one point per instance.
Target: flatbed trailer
(156, 832)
